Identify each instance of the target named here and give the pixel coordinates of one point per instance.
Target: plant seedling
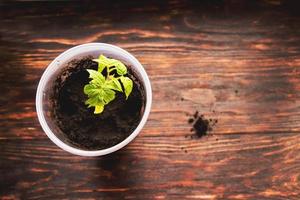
(102, 89)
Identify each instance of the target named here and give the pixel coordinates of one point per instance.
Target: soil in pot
(79, 125)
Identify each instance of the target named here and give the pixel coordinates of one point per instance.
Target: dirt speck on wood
(201, 126)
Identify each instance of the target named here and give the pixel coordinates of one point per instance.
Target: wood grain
(235, 61)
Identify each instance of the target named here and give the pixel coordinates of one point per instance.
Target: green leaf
(114, 84)
(98, 97)
(99, 109)
(108, 95)
(93, 102)
(97, 77)
(92, 90)
(120, 67)
(127, 84)
(107, 62)
(102, 62)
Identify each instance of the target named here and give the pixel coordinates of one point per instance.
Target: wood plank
(256, 166)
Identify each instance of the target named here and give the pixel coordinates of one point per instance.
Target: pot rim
(50, 70)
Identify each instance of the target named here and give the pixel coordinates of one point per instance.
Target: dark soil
(201, 125)
(79, 124)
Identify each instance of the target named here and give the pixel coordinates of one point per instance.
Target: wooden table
(235, 61)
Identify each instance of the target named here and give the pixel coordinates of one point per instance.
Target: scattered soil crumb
(182, 99)
(236, 91)
(191, 120)
(196, 114)
(200, 125)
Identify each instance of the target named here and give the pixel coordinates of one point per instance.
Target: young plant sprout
(102, 89)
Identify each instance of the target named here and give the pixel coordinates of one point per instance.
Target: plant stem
(109, 70)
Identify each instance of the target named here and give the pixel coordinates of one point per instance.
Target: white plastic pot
(46, 84)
